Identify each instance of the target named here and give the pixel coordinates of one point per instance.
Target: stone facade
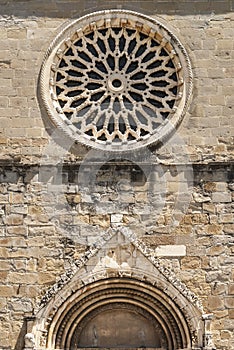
(71, 216)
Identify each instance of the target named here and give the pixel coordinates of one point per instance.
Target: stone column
(208, 342)
(29, 338)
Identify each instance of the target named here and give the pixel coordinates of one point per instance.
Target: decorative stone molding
(29, 342)
(208, 337)
(146, 251)
(134, 285)
(71, 290)
(121, 295)
(175, 315)
(116, 80)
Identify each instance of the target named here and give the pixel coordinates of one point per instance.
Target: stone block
(221, 197)
(8, 291)
(4, 252)
(215, 250)
(22, 278)
(190, 263)
(228, 228)
(130, 219)
(213, 219)
(215, 303)
(34, 133)
(81, 219)
(3, 198)
(223, 44)
(100, 220)
(16, 198)
(142, 197)
(116, 218)
(213, 229)
(31, 291)
(4, 339)
(226, 334)
(231, 288)
(221, 186)
(13, 242)
(5, 265)
(21, 305)
(17, 230)
(16, 33)
(171, 250)
(35, 241)
(229, 302)
(226, 218)
(205, 263)
(200, 218)
(31, 265)
(46, 278)
(183, 230)
(219, 288)
(3, 276)
(3, 303)
(221, 314)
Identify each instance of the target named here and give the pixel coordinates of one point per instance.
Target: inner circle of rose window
(117, 81)
(110, 81)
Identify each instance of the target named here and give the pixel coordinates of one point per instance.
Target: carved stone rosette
(116, 80)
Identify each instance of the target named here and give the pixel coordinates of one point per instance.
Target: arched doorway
(119, 313)
(119, 325)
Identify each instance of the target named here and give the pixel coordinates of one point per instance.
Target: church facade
(116, 175)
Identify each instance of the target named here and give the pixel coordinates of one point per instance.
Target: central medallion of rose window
(118, 80)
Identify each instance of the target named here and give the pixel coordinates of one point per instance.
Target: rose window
(117, 80)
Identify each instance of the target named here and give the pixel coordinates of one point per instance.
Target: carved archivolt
(60, 322)
(68, 321)
(77, 295)
(116, 80)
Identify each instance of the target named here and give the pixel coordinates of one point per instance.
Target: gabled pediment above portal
(119, 253)
(118, 269)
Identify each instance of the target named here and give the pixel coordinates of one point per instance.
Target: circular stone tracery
(118, 80)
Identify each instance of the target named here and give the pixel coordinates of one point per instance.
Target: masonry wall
(48, 217)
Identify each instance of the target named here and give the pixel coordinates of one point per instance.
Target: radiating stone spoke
(116, 83)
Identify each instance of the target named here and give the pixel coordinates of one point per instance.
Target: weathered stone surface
(231, 288)
(229, 302)
(219, 288)
(46, 228)
(170, 250)
(221, 197)
(116, 218)
(190, 263)
(216, 250)
(215, 303)
(100, 220)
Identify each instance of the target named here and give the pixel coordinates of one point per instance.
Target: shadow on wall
(75, 8)
(20, 341)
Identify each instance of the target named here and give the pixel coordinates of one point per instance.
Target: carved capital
(29, 342)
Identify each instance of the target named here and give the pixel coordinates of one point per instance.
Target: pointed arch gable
(103, 281)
